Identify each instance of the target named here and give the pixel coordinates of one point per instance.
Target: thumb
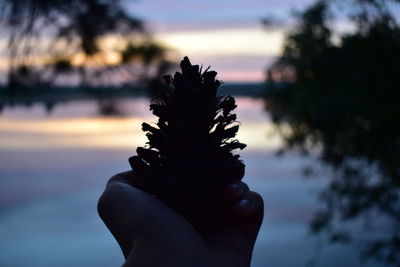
(121, 208)
(133, 215)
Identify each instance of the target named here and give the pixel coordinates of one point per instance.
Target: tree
(87, 43)
(341, 98)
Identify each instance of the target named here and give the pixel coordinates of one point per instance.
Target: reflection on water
(66, 129)
(54, 167)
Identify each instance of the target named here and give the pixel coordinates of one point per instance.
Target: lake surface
(53, 168)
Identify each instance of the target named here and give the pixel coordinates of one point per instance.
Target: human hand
(151, 234)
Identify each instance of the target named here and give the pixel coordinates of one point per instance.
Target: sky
(224, 34)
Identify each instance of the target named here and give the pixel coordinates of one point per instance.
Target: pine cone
(188, 157)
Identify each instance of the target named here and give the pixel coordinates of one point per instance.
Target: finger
(235, 241)
(128, 212)
(234, 192)
(118, 197)
(131, 214)
(128, 177)
(249, 213)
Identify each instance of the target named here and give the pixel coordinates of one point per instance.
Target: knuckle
(102, 204)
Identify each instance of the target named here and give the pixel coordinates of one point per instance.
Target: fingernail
(236, 188)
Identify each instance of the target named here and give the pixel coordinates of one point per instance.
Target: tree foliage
(339, 98)
(87, 43)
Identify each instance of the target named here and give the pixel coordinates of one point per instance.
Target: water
(53, 169)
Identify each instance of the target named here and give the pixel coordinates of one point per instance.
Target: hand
(151, 234)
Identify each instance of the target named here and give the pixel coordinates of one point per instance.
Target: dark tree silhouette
(340, 101)
(86, 43)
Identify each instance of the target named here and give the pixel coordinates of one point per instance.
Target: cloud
(245, 41)
(240, 54)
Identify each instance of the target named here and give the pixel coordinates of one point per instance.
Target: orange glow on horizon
(117, 132)
(208, 44)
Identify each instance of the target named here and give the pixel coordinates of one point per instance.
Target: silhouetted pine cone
(188, 157)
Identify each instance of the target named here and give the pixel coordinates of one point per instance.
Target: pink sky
(227, 35)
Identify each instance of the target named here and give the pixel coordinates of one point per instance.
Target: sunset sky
(226, 34)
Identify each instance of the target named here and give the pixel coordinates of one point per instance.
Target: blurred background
(318, 90)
